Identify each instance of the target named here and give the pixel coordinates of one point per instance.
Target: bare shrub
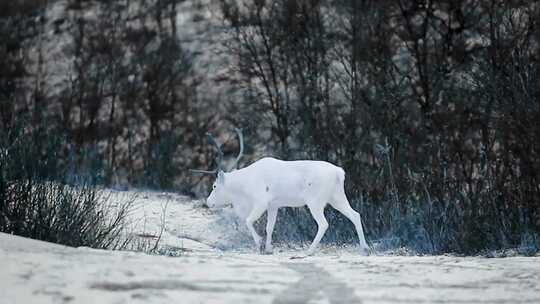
(35, 202)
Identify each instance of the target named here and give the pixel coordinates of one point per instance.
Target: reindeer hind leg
(341, 204)
(318, 215)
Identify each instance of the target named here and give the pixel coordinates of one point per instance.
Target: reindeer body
(280, 183)
(269, 184)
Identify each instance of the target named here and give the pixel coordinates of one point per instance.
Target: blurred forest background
(431, 107)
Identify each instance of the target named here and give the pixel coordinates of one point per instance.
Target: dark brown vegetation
(123, 103)
(37, 201)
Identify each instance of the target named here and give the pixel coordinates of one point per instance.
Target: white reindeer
(269, 184)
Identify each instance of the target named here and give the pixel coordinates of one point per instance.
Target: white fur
(269, 184)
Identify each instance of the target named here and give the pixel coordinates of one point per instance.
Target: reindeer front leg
(270, 222)
(253, 216)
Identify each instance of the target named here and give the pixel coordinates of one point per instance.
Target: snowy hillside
(214, 263)
(200, 31)
(188, 224)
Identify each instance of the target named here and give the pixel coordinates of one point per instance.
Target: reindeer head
(219, 195)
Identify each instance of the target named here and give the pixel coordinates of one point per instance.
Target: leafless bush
(36, 201)
(58, 213)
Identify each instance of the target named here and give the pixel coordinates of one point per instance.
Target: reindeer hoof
(364, 251)
(268, 250)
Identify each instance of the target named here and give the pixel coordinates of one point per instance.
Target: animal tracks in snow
(315, 283)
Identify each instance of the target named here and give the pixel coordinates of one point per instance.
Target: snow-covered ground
(213, 262)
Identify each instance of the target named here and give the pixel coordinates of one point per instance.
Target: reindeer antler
(241, 143)
(219, 157)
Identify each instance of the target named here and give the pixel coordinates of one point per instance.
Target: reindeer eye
(213, 186)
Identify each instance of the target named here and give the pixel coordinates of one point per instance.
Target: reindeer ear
(221, 177)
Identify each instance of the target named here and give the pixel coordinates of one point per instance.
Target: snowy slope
(218, 265)
(200, 32)
(188, 224)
